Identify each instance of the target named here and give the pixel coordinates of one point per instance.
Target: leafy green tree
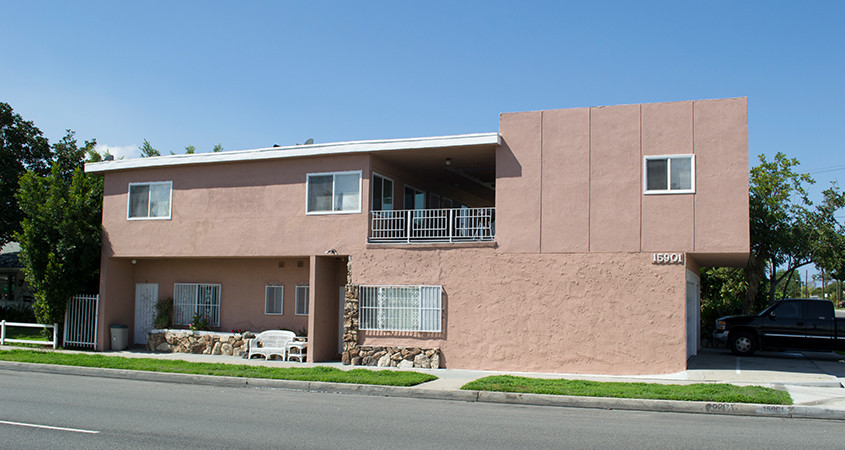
(147, 150)
(22, 148)
(786, 229)
(60, 233)
(190, 150)
(218, 148)
(722, 293)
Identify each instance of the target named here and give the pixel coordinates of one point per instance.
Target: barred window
(400, 308)
(196, 298)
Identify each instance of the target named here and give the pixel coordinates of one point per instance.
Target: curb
(676, 406)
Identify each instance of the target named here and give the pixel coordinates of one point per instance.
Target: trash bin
(119, 337)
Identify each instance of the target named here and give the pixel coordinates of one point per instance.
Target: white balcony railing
(432, 225)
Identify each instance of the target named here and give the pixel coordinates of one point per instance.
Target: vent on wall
(281, 264)
(299, 264)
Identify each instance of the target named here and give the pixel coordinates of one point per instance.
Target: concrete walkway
(814, 380)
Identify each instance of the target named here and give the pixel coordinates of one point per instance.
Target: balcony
(423, 226)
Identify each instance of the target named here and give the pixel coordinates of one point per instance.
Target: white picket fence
(4, 324)
(81, 321)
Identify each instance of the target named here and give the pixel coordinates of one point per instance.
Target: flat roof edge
(332, 148)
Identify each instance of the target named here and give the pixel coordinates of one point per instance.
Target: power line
(825, 170)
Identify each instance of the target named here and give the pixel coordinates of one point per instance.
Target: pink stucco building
(568, 241)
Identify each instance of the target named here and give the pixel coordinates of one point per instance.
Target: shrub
(164, 312)
(22, 313)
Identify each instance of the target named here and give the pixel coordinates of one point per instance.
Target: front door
(146, 296)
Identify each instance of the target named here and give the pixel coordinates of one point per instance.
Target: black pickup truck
(794, 324)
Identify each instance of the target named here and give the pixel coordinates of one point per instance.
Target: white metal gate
(146, 296)
(81, 321)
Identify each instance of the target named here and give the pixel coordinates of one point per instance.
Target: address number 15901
(667, 258)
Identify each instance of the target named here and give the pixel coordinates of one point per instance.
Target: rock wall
(400, 357)
(200, 342)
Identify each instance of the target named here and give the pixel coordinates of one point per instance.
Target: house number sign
(667, 258)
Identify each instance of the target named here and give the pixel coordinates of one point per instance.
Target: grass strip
(723, 393)
(29, 334)
(319, 373)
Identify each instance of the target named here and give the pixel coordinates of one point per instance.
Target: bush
(22, 314)
(164, 312)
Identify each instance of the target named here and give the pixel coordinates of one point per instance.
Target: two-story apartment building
(568, 241)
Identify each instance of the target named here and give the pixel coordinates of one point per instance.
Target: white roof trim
(334, 148)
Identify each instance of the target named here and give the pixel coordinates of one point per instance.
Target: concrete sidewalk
(812, 379)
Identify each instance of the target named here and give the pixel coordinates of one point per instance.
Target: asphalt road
(90, 412)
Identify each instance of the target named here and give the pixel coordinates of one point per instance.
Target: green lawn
(328, 374)
(723, 393)
(30, 334)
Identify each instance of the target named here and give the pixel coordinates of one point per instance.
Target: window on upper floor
(382, 193)
(149, 200)
(669, 174)
(333, 193)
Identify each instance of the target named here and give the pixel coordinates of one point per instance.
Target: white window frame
(149, 203)
(420, 313)
(668, 159)
(302, 294)
(191, 306)
(334, 175)
(267, 289)
(392, 192)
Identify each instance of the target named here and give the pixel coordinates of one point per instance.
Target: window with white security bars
(196, 298)
(400, 308)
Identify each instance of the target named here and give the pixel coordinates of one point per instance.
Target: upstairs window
(150, 200)
(674, 174)
(333, 193)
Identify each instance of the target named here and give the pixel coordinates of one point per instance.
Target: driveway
(824, 369)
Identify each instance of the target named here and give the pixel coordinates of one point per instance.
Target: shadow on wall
(507, 166)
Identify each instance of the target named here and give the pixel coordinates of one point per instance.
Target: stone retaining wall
(400, 357)
(200, 342)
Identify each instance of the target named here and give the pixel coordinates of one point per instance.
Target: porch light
(448, 161)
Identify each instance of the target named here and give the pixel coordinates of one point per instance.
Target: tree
(786, 229)
(147, 150)
(189, 150)
(218, 148)
(60, 233)
(22, 148)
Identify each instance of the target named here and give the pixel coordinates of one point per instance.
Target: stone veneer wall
(381, 356)
(200, 342)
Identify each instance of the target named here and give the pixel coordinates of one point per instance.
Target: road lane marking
(48, 427)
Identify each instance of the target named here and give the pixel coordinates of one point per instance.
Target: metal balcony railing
(408, 226)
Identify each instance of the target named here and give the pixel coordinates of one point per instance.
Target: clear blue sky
(254, 74)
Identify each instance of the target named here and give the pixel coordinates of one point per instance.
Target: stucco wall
(572, 180)
(577, 313)
(252, 209)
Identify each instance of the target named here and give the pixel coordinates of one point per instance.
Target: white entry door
(146, 296)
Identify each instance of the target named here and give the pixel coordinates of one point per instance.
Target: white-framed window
(400, 308)
(274, 299)
(333, 193)
(190, 299)
(149, 200)
(669, 174)
(301, 307)
(382, 193)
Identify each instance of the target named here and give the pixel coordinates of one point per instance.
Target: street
(63, 411)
